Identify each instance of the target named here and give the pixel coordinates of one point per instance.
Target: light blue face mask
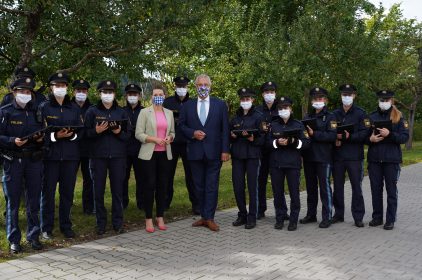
(203, 91)
(158, 100)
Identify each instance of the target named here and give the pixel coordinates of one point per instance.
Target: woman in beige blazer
(155, 129)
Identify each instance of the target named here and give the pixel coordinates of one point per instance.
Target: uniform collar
(239, 111)
(184, 99)
(66, 101)
(100, 105)
(273, 107)
(87, 103)
(28, 105)
(138, 106)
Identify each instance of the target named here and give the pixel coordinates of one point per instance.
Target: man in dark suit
(204, 122)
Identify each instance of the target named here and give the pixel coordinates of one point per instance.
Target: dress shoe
(47, 235)
(200, 223)
(69, 233)
(260, 216)
(375, 223)
(15, 248)
(250, 225)
(35, 244)
(161, 227)
(308, 220)
(240, 221)
(119, 230)
(388, 226)
(325, 224)
(337, 219)
(279, 225)
(101, 231)
(359, 224)
(292, 227)
(212, 225)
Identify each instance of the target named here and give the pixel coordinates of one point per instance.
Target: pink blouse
(161, 121)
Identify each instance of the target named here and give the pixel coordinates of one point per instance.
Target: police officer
(246, 144)
(269, 111)
(385, 156)
(24, 162)
(178, 147)
(80, 98)
(25, 72)
(62, 160)
(348, 154)
(132, 108)
(109, 131)
(287, 139)
(318, 159)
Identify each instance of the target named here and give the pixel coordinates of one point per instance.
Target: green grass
(134, 218)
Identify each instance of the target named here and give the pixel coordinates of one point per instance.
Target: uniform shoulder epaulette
(6, 106)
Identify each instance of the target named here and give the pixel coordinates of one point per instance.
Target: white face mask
(284, 113)
(107, 97)
(181, 91)
(318, 105)
(80, 96)
(23, 98)
(347, 100)
(269, 97)
(59, 91)
(384, 105)
(246, 105)
(132, 99)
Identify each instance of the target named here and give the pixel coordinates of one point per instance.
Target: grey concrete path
(182, 252)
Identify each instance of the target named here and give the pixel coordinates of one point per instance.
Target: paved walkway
(340, 252)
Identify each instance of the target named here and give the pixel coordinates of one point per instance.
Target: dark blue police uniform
(133, 147)
(317, 163)
(23, 168)
(268, 115)
(246, 160)
(286, 162)
(384, 160)
(178, 148)
(348, 157)
(108, 152)
(60, 163)
(87, 184)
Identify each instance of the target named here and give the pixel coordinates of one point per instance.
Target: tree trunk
(411, 125)
(305, 103)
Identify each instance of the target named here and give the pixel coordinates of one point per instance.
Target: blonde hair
(395, 114)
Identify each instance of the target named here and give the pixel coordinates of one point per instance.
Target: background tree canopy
(298, 44)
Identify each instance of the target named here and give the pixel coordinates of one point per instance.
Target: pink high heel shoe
(162, 227)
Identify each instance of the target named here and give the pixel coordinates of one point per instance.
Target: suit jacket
(216, 128)
(146, 126)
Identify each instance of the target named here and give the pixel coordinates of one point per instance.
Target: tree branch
(14, 12)
(103, 53)
(402, 104)
(2, 54)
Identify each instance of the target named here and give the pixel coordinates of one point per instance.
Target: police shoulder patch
(406, 124)
(367, 123)
(333, 124)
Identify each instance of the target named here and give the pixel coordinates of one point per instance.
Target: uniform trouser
(87, 187)
(250, 168)
(117, 170)
(354, 169)
(378, 174)
(64, 173)
(293, 182)
(318, 173)
(14, 172)
(206, 180)
(179, 150)
(135, 162)
(262, 183)
(157, 172)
